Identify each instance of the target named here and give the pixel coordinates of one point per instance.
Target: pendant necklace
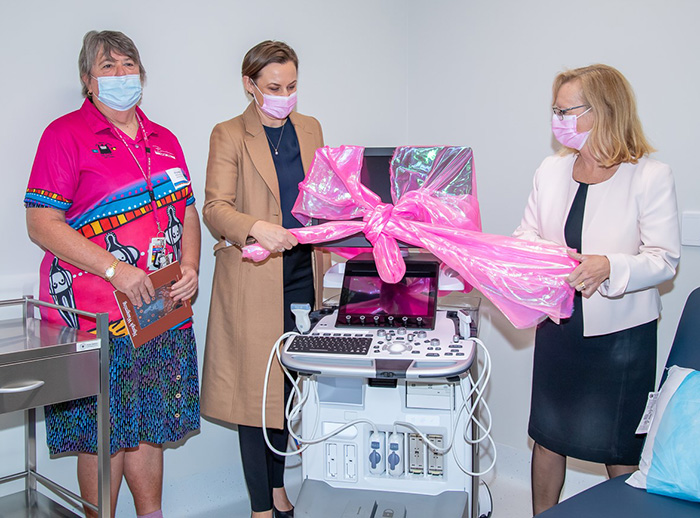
(276, 148)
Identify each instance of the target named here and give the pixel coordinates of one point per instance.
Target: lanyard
(146, 176)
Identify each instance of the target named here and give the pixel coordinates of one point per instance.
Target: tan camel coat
(246, 313)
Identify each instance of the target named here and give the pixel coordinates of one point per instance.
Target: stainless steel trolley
(41, 364)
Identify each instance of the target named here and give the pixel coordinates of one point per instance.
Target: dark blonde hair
(263, 54)
(107, 42)
(617, 135)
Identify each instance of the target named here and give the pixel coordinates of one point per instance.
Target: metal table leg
(103, 425)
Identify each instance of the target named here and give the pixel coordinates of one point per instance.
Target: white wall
(192, 52)
(374, 73)
(481, 76)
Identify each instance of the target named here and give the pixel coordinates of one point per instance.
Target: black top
(284, 146)
(573, 230)
(286, 155)
(574, 222)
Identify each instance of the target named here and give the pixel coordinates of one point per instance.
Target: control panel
(384, 352)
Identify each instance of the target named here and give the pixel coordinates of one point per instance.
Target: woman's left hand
(590, 274)
(186, 287)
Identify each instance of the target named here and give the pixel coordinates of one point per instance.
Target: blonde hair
(617, 135)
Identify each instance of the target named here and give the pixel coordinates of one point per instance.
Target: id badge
(158, 256)
(177, 176)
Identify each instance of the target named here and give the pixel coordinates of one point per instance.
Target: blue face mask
(119, 92)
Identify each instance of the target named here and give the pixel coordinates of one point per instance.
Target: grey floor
(509, 484)
(223, 494)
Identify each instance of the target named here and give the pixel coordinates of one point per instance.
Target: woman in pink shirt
(109, 199)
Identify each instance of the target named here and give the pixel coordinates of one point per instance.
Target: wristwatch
(111, 270)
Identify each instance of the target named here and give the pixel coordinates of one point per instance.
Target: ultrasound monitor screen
(371, 296)
(366, 299)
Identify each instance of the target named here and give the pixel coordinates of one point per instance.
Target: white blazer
(631, 218)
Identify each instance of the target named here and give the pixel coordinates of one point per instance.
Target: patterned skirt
(153, 397)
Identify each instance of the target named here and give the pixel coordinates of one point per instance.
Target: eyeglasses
(559, 112)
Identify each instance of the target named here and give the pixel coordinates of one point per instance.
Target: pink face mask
(565, 131)
(276, 106)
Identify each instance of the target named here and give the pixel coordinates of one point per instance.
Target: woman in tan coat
(256, 161)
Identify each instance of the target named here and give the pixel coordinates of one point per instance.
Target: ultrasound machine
(389, 391)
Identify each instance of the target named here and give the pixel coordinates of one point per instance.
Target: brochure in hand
(162, 313)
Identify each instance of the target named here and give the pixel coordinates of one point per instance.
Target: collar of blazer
(259, 150)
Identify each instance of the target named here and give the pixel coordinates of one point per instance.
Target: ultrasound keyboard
(331, 344)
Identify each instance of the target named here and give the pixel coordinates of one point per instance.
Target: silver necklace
(276, 148)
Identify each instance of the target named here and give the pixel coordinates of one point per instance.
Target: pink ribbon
(524, 279)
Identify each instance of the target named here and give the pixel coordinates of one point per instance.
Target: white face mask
(276, 106)
(119, 92)
(565, 131)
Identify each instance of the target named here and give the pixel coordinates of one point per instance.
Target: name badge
(177, 177)
(158, 257)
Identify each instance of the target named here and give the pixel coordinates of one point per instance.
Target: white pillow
(676, 483)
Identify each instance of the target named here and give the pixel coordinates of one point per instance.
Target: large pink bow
(435, 208)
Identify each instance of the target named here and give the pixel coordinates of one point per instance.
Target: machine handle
(455, 368)
(360, 367)
(366, 367)
(24, 388)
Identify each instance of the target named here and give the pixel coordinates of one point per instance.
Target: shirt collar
(99, 123)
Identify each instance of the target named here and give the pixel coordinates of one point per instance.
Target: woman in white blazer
(615, 207)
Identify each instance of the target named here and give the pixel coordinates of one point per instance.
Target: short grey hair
(106, 42)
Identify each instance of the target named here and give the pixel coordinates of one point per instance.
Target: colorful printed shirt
(83, 167)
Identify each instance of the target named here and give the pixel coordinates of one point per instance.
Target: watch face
(109, 273)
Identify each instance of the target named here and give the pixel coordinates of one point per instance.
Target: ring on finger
(581, 286)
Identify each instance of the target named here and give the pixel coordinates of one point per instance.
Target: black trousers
(263, 469)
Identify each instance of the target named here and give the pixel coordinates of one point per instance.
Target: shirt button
(136, 146)
(178, 395)
(177, 416)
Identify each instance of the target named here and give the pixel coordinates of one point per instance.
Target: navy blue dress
(589, 393)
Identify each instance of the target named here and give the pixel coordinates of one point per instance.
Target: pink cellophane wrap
(435, 207)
